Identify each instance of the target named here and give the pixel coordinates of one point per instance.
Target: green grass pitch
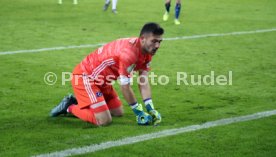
(26, 128)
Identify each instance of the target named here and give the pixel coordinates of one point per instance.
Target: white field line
(175, 38)
(221, 34)
(51, 49)
(164, 133)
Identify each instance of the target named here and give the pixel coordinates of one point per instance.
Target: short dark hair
(153, 28)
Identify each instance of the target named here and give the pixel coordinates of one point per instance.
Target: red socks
(85, 114)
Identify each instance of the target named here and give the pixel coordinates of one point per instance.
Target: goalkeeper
(96, 100)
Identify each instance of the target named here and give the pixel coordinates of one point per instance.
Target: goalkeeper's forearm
(145, 91)
(131, 100)
(128, 94)
(144, 86)
(142, 118)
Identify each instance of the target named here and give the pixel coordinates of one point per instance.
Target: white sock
(114, 4)
(107, 1)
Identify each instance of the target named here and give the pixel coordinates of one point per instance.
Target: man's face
(150, 43)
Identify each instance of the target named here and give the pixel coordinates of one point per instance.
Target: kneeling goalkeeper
(96, 100)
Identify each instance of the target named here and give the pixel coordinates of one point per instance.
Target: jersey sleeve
(127, 62)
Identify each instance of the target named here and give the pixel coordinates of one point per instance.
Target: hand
(144, 119)
(154, 113)
(156, 117)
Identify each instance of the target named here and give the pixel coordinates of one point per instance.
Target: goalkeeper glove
(154, 113)
(142, 118)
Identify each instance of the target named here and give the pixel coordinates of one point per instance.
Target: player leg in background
(177, 12)
(167, 7)
(113, 101)
(91, 106)
(105, 7)
(114, 6)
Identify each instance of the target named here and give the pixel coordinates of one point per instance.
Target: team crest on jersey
(130, 68)
(99, 94)
(100, 50)
(148, 64)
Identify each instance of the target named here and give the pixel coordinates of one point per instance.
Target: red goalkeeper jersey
(116, 58)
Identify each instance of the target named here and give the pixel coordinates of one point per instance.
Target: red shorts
(98, 98)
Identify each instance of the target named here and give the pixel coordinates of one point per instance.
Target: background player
(97, 101)
(114, 6)
(177, 11)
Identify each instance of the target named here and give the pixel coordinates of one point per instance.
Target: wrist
(136, 108)
(149, 104)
